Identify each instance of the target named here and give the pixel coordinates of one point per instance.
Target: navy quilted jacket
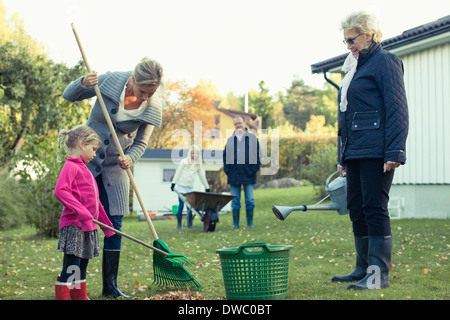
(375, 124)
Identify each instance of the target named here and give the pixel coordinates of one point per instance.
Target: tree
(299, 103)
(183, 106)
(32, 102)
(32, 111)
(327, 101)
(262, 104)
(234, 102)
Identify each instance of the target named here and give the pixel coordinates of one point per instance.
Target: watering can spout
(281, 212)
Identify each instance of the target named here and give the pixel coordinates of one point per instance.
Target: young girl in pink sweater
(77, 190)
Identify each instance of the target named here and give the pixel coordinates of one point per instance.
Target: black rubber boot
(249, 213)
(236, 218)
(110, 268)
(190, 219)
(179, 220)
(380, 251)
(362, 247)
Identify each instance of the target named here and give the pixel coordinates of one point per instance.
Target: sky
(234, 43)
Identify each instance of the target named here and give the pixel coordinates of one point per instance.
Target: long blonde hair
(198, 162)
(82, 133)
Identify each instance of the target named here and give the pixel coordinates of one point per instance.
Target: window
(168, 175)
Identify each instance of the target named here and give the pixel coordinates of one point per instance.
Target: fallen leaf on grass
(177, 295)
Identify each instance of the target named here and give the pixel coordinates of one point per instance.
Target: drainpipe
(329, 81)
(337, 87)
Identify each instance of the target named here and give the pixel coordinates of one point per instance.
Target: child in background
(77, 190)
(184, 177)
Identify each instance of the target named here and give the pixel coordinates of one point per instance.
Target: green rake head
(178, 260)
(169, 270)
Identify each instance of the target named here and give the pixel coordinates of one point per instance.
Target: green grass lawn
(322, 247)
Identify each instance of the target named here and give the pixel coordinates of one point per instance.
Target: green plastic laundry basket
(252, 274)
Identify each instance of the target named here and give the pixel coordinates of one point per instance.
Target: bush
(44, 209)
(12, 209)
(322, 163)
(296, 153)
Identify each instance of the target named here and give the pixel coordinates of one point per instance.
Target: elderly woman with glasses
(373, 127)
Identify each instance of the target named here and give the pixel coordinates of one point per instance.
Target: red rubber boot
(62, 290)
(78, 291)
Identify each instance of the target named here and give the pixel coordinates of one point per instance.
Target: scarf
(349, 68)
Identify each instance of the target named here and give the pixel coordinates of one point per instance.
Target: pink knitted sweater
(77, 190)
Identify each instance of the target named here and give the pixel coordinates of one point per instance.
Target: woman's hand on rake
(125, 163)
(90, 80)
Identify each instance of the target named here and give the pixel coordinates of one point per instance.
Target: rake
(174, 259)
(166, 272)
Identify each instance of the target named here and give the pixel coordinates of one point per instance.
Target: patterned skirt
(81, 244)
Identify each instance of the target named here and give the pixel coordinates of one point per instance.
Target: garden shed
(421, 188)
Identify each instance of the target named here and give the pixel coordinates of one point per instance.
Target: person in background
(134, 107)
(252, 129)
(373, 127)
(77, 190)
(184, 178)
(241, 162)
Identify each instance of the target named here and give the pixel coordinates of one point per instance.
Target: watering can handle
(328, 179)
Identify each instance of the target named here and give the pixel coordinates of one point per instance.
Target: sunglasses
(350, 40)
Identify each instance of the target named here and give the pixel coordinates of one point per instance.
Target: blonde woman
(184, 178)
(134, 108)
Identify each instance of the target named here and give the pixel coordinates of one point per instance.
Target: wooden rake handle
(115, 138)
(130, 237)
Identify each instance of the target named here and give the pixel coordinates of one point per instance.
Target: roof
(422, 32)
(181, 153)
(234, 113)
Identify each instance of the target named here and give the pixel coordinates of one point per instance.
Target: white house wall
(427, 81)
(421, 188)
(156, 193)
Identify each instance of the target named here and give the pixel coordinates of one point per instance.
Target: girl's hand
(126, 162)
(90, 80)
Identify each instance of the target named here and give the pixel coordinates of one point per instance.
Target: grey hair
(364, 23)
(239, 117)
(148, 72)
(82, 133)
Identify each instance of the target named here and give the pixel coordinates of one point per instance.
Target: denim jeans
(181, 206)
(235, 190)
(114, 242)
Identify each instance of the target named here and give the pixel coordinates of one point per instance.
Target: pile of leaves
(168, 293)
(177, 295)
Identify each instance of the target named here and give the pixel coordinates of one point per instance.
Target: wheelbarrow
(206, 205)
